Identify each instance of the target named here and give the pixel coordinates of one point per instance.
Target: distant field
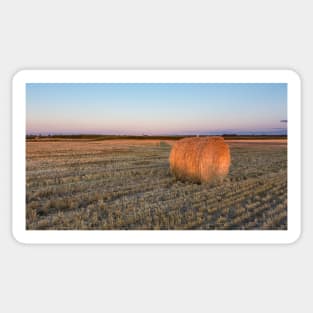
(126, 184)
(143, 137)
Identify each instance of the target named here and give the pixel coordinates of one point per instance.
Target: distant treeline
(143, 137)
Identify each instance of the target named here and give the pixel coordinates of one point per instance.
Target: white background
(160, 34)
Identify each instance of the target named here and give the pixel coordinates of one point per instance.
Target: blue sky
(146, 108)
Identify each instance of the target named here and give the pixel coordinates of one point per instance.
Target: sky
(156, 109)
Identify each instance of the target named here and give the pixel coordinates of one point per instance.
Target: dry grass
(200, 159)
(127, 185)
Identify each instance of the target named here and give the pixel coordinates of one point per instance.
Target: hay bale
(200, 159)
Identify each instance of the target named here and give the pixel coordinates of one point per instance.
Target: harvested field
(127, 184)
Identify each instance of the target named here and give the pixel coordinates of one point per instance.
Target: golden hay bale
(200, 159)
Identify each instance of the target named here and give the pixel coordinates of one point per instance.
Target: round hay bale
(200, 159)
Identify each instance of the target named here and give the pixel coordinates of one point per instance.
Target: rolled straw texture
(200, 159)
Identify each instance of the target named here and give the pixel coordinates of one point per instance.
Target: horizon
(156, 108)
(217, 133)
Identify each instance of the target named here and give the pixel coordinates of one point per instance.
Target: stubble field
(127, 184)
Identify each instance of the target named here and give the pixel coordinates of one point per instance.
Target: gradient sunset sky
(156, 109)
